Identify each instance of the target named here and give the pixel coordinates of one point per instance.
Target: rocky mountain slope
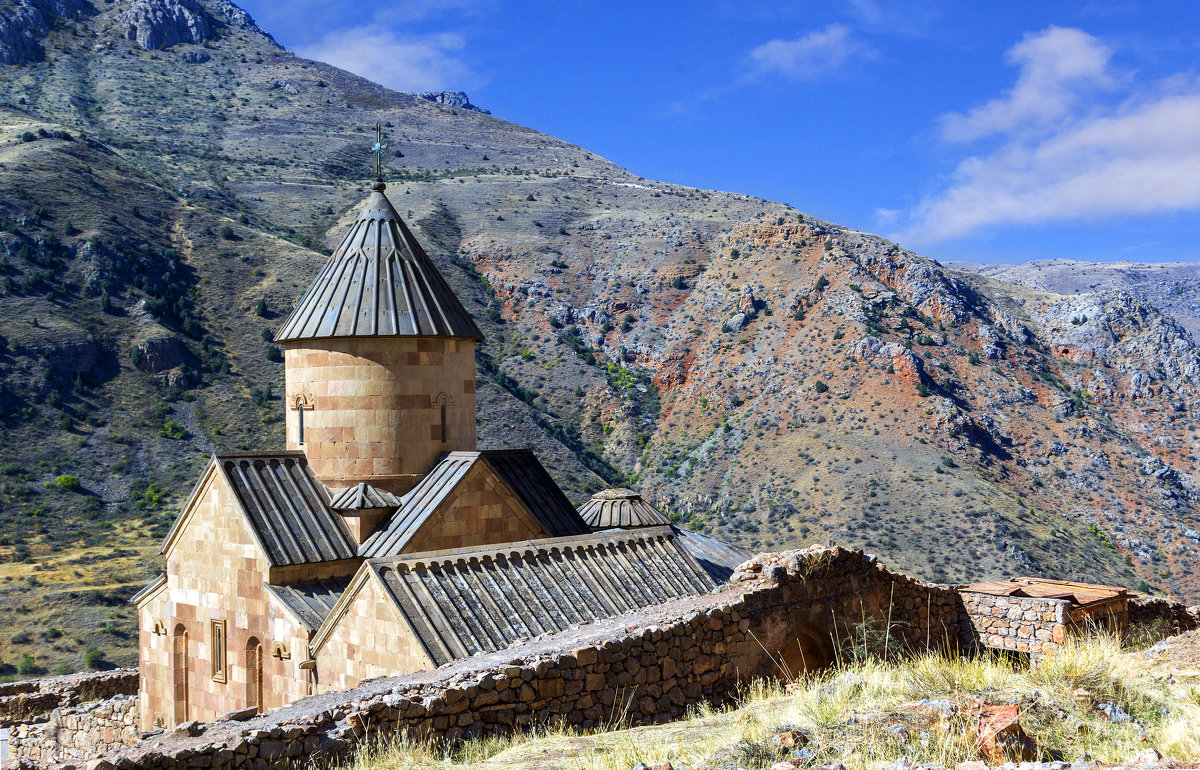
(170, 180)
(1172, 287)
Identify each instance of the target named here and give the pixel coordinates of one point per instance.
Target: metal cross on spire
(377, 150)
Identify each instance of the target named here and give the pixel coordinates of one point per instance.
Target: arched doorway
(179, 673)
(807, 650)
(254, 674)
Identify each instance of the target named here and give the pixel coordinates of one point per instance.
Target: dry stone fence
(781, 614)
(32, 701)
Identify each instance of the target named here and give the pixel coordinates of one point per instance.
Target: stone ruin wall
(1018, 624)
(651, 665)
(1038, 626)
(33, 700)
(1170, 617)
(79, 732)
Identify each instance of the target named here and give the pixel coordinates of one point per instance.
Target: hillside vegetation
(762, 375)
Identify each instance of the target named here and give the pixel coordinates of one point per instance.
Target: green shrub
(27, 666)
(820, 386)
(94, 658)
(173, 430)
(69, 482)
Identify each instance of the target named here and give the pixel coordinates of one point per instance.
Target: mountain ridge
(760, 374)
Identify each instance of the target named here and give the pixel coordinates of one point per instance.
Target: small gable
(474, 499)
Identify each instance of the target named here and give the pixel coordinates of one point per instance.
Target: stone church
(383, 540)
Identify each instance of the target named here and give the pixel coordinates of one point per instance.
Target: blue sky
(984, 131)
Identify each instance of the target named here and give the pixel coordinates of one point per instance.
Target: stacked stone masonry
(1170, 617)
(1010, 623)
(779, 616)
(380, 411)
(80, 732)
(32, 701)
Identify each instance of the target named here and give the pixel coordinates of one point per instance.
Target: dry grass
(864, 712)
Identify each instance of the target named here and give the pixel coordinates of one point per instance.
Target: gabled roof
(1079, 594)
(620, 508)
(464, 602)
(151, 588)
(363, 496)
(285, 507)
(717, 557)
(518, 469)
(378, 283)
(310, 601)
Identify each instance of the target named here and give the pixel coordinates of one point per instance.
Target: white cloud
(1058, 68)
(817, 53)
(1063, 153)
(404, 63)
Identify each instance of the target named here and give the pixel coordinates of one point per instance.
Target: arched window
(443, 401)
(302, 402)
(179, 673)
(254, 674)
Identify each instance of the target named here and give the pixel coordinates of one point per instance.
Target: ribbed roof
(286, 508)
(310, 601)
(378, 283)
(718, 558)
(362, 496)
(518, 468)
(462, 603)
(620, 508)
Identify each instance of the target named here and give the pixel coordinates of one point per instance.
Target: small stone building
(382, 540)
(1036, 615)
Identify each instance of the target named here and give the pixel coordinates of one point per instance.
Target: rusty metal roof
(620, 508)
(363, 496)
(519, 469)
(286, 507)
(717, 557)
(378, 283)
(465, 602)
(1079, 594)
(310, 601)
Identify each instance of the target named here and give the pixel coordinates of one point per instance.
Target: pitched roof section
(378, 283)
(462, 603)
(620, 508)
(529, 480)
(519, 469)
(718, 558)
(286, 508)
(1079, 594)
(363, 496)
(312, 601)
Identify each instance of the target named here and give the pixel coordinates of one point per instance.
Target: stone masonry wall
(1019, 624)
(1174, 616)
(79, 732)
(33, 700)
(651, 664)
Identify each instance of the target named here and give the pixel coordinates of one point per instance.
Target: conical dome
(378, 283)
(623, 508)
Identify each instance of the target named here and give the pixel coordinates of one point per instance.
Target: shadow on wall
(808, 651)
